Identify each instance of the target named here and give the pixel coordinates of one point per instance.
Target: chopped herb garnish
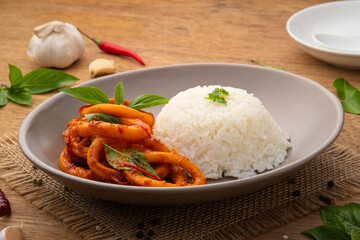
(218, 95)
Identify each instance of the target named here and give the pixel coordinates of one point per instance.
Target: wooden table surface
(163, 32)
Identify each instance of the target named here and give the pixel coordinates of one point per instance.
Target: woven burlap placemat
(237, 218)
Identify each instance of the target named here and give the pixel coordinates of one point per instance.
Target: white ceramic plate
(339, 18)
(309, 113)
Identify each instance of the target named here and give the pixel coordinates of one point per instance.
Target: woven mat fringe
(79, 221)
(263, 217)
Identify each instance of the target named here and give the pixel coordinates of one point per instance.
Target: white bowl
(309, 113)
(339, 18)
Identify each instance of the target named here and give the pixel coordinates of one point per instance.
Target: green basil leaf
(349, 94)
(348, 213)
(15, 76)
(148, 100)
(339, 85)
(92, 95)
(327, 233)
(119, 94)
(140, 161)
(3, 97)
(45, 79)
(134, 158)
(354, 235)
(113, 157)
(102, 117)
(352, 105)
(20, 95)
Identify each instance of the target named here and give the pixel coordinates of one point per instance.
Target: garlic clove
(101, 66)
(56, 44)
(11, 233)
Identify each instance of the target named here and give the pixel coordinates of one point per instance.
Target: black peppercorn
(324, 199)
(330, 184)
(139, 234)
(296, 193)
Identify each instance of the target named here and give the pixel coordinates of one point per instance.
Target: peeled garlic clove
(56, 44)
(11, 233)
(101, 66)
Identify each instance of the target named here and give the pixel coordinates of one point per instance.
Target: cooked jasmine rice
(239, 139)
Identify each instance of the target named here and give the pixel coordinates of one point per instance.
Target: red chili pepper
(4, 204)
(115, 49)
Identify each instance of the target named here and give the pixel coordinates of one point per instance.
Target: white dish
(309, 113)
(334, 18)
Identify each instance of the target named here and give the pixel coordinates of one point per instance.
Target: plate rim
(179, 190)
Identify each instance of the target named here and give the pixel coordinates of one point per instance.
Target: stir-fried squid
(123, 152)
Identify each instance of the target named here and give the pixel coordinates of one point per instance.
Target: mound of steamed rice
(239, 139)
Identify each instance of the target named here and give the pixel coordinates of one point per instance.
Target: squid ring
(77, 146)
(66, 164)
(98, 128)
(120, 111)
(166, 157)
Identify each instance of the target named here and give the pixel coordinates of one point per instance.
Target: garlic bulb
(56, 44)
(11, 233)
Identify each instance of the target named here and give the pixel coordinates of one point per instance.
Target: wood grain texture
(163, 33)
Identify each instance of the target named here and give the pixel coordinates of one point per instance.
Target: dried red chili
(5, 207)
(113, 48)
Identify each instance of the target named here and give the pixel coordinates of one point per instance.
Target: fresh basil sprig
(94, 95)
(40, 80)
(349, 95)
(340, 223)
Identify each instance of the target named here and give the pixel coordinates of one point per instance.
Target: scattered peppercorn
(156, 222)
(324, 199)
(330, 184)
(5, 207)
(98, 228)
(140, 225)
(151, 233)
(139, 234)
(39, 182)
(296, 193)
(285, 237)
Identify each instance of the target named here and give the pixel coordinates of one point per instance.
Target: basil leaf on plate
(148, 100)
(102, 117)
(19, 95)
(3, 98)
(92, 95)
(119, 94)
(15, 76)
(44, 79)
